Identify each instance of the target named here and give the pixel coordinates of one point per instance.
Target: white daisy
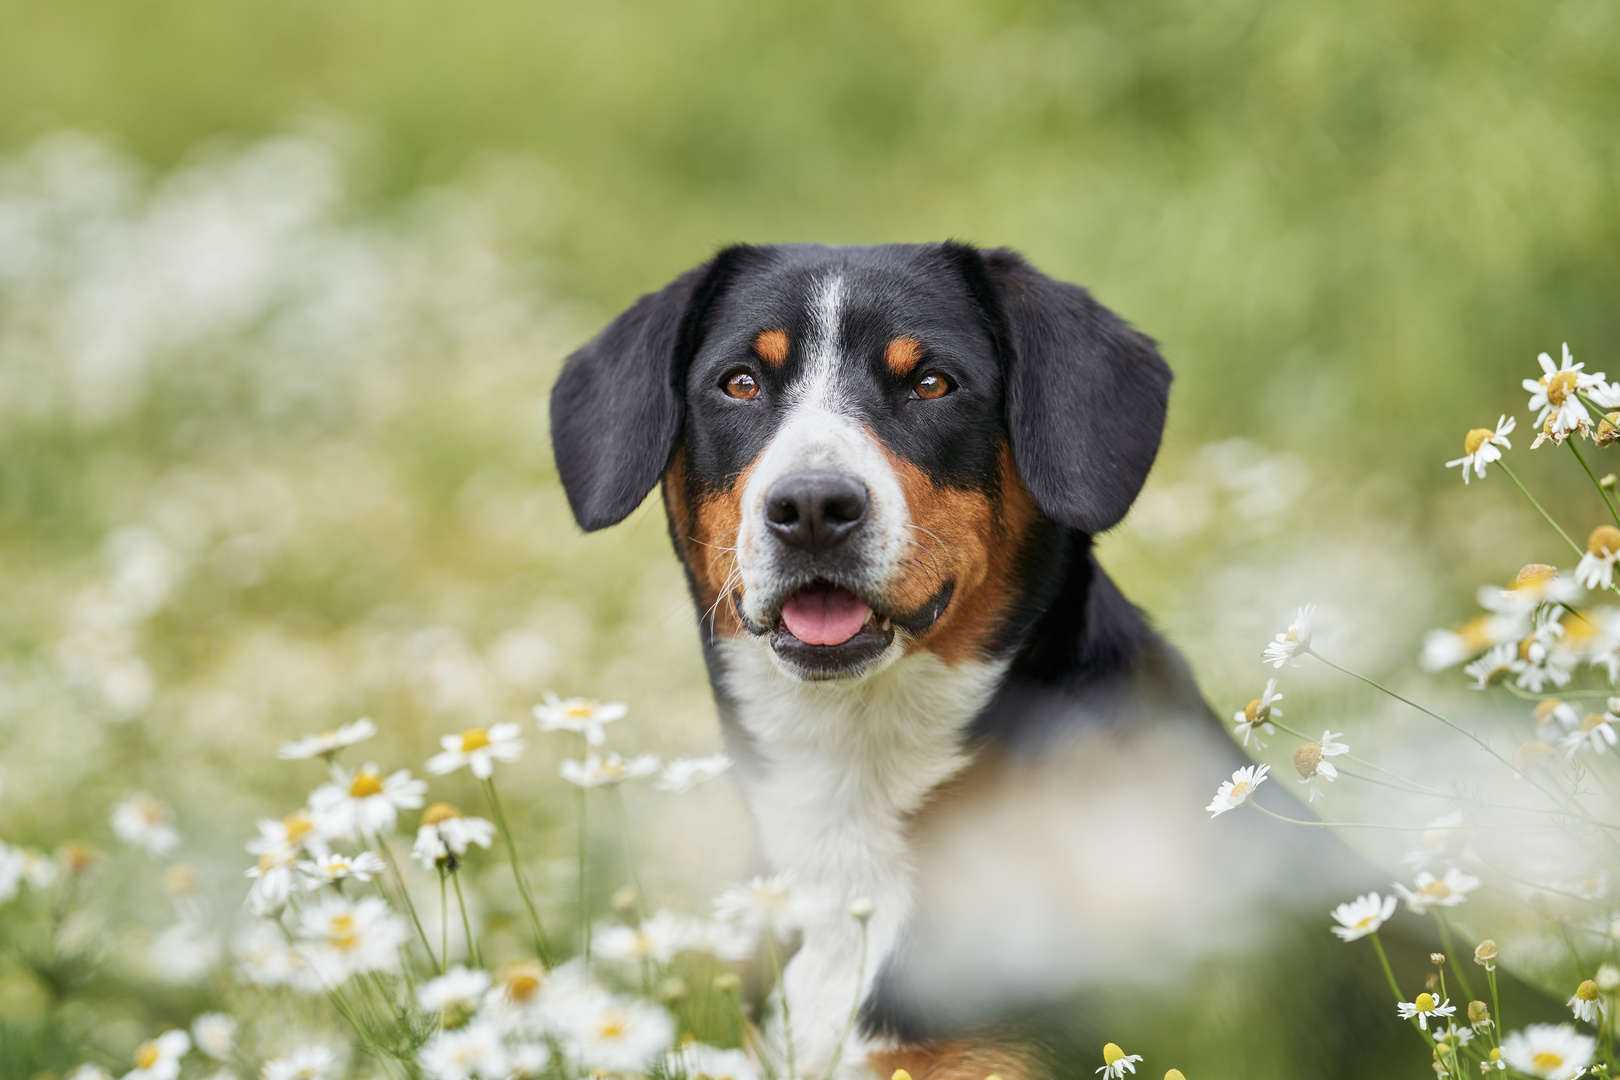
(334, 868)
(88, 1071)
(476, 1050)
(351, 937)
(1297, 638)
(580, 715)
(479, 749)
(159, 1058)
(286, 839)
(272, 886)
(183, 953)
(598, 771)
(1549, 1051)
(1424, 1009)
(1554, 397)
(1236, 791)
(1117, 1062)
(721, 939)
(696, 1061)
(364, 803)
(1534, 585)
(615, 1034)
(1310, 761)
(1596, 731)
(1447, 891)
(1596, 568)
(304, 1063)
(144, 822)
(657, 938)
(215, 1034)
(446, 833)
(1587, 1003)
(766, 903)
(1540, 661)
(326, 743)
(1258, 714)
(265, 958)
(1481, 446)
(684, 774)
(1444, 648)
(1362, 916)
(456, 992)
(1554, 717)
(518, 1002)
(1492, 668)
(528, 1060)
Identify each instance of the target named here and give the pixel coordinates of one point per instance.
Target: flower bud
(1485, 954)
(727, 982)
(623, 899)
(861, 909)
(1608, 978)
(1437, 959)
(1478, 1013)
(671, 990)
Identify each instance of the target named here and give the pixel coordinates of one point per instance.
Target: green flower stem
(1604, 495)
(381, 845)
(542, 945)
(584, 915)
(1403, 782)
(444, 919)
(630, 849)
(1336, 824)
(787, 1014)
(747, 1035)
(854, 1009)
(466, 924)
(1389, 973)
(1451, 955)
(1579, 551)
(1496, 1006)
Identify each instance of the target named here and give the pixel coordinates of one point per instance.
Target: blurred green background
(283, 287)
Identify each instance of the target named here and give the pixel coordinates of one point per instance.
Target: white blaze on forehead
(821, 431)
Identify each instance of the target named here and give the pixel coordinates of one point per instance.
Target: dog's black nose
(815, 511)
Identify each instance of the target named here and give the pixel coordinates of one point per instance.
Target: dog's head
(861, 447)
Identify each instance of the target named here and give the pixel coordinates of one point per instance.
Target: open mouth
(829, 631)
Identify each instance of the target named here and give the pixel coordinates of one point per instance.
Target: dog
(883, 470)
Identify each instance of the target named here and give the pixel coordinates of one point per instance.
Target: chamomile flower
(1540, 661)
(364, 803)
(1444, 648)
(454, 994)
(304, 1063)
(144, 822)
(1549, 1051)
(1554, 397)
(88, 1071)
(1258, 714)
(265, 958)
(657, 938)
(159, 1058)
(1447, 891)
(1481, 446)
(1596, 732)
(684, 774)
(352, 937)
(1236, 791)
(475, 1051)
(580, 715)
(1596, 568)
(446, 833)
(1116, 1062)
(1534, 585)
(598, 771)
(1362, 916)
(766, 903)
(334, 868)
(327, 743)
(695, 1060)
(1554, 716)
(285, 839)
(1424, 1009)
(1587, 1003)
(273, 882)
(1310, 761)
(1296, 639)
(215, 1035)
(607, 1033)
(478, 749)
(1492, 668)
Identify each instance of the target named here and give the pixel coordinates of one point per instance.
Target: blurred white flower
(765, 903)
(1493, 667)
(272, 886)
(457, 991)
(1424, 1009)
(1554, 397)
(1310, 761)
(1540, 661)
(1447, 891)
(1481, 446)
(334, 868)
(684, 774)
(1549, 1051)
(1534, 585)
(1587, 1003)
(1554, 717)
(479, 749)
(215, 1034)
(580, 715)
(598, 771)
(364, 803)
(1236, 791)
(159, 1058)
(528, 1060)
(1596, 732)
(88, 1071)
(695, 1060)
(476, 1050)
(18, 865)
(305, 1063)
(615, 1034)
(265, 958)
(144, 822)
(658, 938)
(284, 840)
(1289, 643)
(1362, 916)
(1258, 714)
(1596, 568)
(352, 937)
(326, 743)
(445, 832)
(183, 953)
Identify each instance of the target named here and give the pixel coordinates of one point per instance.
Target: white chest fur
(844, 766)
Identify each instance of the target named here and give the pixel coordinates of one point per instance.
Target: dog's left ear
(618, 406)
(1086, 394)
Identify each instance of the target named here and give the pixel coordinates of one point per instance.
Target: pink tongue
(824, 616)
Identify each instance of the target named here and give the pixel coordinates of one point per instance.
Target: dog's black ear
(618, 406)
(1086, 394)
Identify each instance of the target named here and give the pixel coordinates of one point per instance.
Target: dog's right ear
(618, 406)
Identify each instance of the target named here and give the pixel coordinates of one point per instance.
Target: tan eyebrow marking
(902, 355)
(772, 346)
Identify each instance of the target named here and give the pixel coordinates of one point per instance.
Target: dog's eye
(740, 384)
(932, 385)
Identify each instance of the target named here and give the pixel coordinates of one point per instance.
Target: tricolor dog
(883, 468)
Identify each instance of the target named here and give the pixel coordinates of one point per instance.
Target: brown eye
(740, 384)
(932, 385)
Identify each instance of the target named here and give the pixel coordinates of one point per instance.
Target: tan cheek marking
(902, 355)
(772, 346)
(707, 529)
(971, 537)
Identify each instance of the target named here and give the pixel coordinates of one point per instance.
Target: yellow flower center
(584, 710)
(1475, 633)
(1543, 712)
(340, 932)
(1547, 1060)
(365, 785)
(1255, 713)
(1534, 575)
(1292, 635)
(1112, 1053)
(611, 1028)
(1424, 1003)
(1307, 758)
(298, 825)
(1587, 991)
(1239, 789)
(1476, 438)
(1592, 720)
(1560, 386)
(1604, 541)
(439, 812)
(1435, 890)
(613, 767)
(147, 1055)
(1495, 1054)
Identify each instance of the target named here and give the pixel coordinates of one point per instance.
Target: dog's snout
(815, 511)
